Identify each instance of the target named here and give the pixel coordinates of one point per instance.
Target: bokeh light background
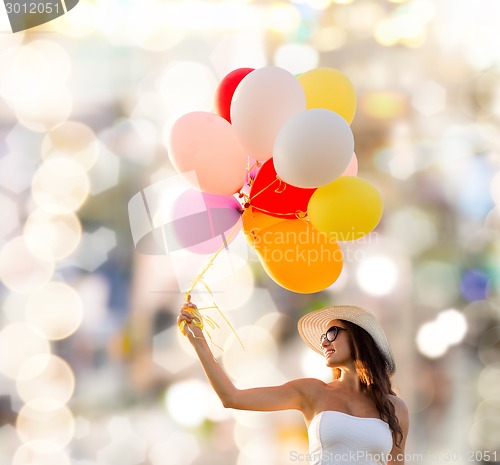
(93, 370)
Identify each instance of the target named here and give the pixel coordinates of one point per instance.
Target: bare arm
(287, 396)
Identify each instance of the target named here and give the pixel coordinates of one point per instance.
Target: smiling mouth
(329, 352)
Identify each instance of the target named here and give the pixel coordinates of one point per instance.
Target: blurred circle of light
(46, 376)
(492, 220)
(180, 447)
(413, 228)
(20, 270)
(45, 111)
(60, 186)
(18, 343)
(485, 93)
(57, 57)
(377, 275)
(238, 286)
(259, 449)
(495, 188)
(146, 26)
(479, 315)
(385, 33)
(360, 19)
(10, 216)
(185, 87)
(436, 283)
(296, 58)
(430, 340)
(200, 15)
(406, 26)
(46, 424)
(318, 4)
(488, 382)
(314, 366)
(282, 18)
(260, 353)
(56, 310)
(329, 38)
(245, 420)
(25, 74)
(77, 23)
(133, 138)
(384, 105)
(429, 98)
(12, 303)
(488, 345)
(186, 401)
(484, 434)
(25, 455)
(52, 237)
(474, 285)
(453, 325)
(73, 140)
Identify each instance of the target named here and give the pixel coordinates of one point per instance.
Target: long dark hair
(371, 367)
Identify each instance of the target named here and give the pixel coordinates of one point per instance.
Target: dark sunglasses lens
(331, 334)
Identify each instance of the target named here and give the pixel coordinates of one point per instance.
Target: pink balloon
(262, 102)
(206, 144)
(352, 168)
(203, 222)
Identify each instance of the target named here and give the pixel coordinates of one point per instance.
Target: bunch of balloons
(284, 145)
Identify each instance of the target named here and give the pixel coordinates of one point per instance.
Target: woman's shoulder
(309, 383)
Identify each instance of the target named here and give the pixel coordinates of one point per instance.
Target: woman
(356, 418)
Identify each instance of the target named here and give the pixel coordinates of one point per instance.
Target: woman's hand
(190, 329)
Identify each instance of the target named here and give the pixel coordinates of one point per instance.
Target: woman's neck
(350, 380)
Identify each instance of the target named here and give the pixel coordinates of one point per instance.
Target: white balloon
(263, 101)
(313, 148)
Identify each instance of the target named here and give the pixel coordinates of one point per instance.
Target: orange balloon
(298, 257)
(254, 221)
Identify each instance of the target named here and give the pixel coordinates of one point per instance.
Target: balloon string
(199, 280)
(266, 187)
(281, 187)
(248, 179)
(211, 260)
(299, 214)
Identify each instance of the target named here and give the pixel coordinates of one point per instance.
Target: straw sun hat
(313, 324)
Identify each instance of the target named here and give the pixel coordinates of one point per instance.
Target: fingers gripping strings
(191, 308)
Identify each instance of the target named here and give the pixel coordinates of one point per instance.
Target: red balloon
(275, 197)
(225, 91)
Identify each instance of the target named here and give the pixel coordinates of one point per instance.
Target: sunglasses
(331, 334)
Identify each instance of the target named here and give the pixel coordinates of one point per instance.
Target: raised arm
(290, 395)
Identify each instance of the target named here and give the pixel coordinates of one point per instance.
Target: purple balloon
(203, 222)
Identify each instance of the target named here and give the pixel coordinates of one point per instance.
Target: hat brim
(313, 324)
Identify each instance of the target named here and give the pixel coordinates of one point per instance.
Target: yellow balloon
(348, 207)
(331, 89)
(298, 257)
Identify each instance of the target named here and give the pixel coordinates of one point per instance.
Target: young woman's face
(335, 345)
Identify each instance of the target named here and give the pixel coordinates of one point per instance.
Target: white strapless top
(337, 438)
